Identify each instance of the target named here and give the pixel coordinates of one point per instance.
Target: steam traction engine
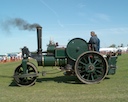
(89, 66)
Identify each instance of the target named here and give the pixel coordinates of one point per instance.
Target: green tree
(122, 45)
(113, 45)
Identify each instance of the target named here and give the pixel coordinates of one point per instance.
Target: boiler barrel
(52, 61)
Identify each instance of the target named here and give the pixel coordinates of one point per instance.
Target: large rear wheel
(91, 67)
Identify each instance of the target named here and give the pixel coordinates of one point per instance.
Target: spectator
(94, 42)
(98, 44)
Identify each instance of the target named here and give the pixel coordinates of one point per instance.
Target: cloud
(51, 9)
(112, 35)
(103, 16)
(118, 30)
(81, 5)
(60, 23)
(82, 14)
(98, 17)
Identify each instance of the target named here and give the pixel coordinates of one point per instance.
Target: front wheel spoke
(30, 71)
(20, 70)
(22, 80)
(26, 80)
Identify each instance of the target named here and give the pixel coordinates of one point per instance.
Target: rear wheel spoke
(82, 63)
(83, 75)
(83, 71)
(88, 76)
(95, 74)
(95, 62)
(92, 77)
(98, 67)
(100, 72)
(89, 59)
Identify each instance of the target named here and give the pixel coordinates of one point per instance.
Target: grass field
(55, 87)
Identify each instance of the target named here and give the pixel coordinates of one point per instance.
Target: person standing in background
(98, 44)
(94, 42)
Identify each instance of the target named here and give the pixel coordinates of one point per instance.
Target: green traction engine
(89, 67)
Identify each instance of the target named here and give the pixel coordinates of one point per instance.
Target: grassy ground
(59, 88)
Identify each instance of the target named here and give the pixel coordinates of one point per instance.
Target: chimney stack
(39, 40)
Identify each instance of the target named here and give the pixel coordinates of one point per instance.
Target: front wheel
(27, 79)
(91, 67)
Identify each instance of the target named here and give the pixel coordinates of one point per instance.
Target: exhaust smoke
(18, 23)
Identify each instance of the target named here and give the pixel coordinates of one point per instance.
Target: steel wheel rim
(91, 67)
(27, 81)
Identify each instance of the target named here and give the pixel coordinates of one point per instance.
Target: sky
(63, 20)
